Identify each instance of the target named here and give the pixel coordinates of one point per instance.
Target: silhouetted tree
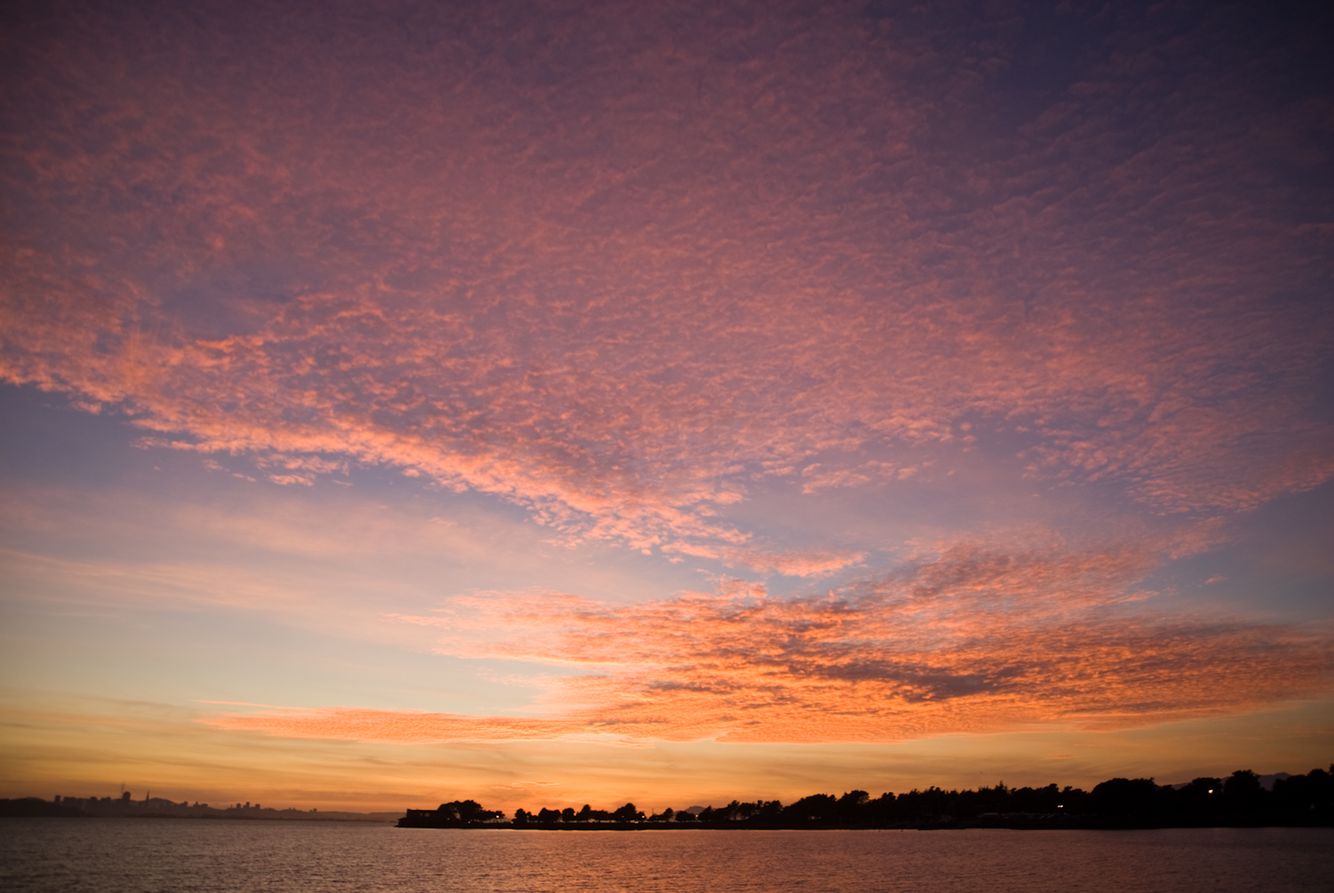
(1126, 797)
(850, 808)
(464, 812)
(815, 808)
(1198, 802)
(1241, 799)
(628, 813)
(1305, 799)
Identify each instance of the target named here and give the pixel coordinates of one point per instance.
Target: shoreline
(949, 826)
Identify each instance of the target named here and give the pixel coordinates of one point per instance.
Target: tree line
(1240, 799)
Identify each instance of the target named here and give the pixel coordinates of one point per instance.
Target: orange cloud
(971, 639)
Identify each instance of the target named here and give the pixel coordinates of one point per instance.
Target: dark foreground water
(199, 855)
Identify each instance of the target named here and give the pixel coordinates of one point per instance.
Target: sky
(564, 402)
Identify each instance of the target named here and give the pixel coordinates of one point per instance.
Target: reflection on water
(198, 855)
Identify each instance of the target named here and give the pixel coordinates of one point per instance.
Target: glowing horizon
(669, 404)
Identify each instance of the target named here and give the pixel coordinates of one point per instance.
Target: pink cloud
(607, 305)
(791, 563)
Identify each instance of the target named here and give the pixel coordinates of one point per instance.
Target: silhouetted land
(1242, 799)
(158, 807)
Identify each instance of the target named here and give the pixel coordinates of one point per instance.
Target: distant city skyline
(533, 402)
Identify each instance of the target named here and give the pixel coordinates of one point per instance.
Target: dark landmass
(158, 808)
(1241, 800)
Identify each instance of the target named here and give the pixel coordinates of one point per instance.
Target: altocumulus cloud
(622, 269)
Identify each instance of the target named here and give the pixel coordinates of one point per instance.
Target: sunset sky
(566, 402)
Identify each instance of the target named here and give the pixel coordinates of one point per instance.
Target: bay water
(161, 855)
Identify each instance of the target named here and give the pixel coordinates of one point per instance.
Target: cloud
(389, 725)
(617, 269)
(970, 639)
(791, 563)
(817, 476)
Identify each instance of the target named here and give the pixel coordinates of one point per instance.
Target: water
(153, 855)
